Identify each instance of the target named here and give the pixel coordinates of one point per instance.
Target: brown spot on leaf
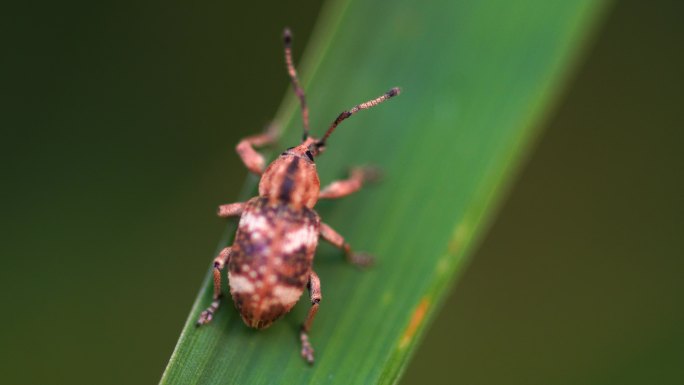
(416, 320)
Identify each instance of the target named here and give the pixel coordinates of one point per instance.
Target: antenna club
(393, 92)
(287, 36)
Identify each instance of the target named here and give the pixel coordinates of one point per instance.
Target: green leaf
(477, 80)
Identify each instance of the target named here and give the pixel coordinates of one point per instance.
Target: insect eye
(309, 155)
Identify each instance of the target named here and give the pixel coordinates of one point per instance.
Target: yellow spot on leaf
(416, 320)
(459, 237)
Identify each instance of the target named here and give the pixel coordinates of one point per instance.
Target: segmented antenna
(363, 106)
(287, 39)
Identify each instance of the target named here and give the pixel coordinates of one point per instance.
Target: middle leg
(332, 236)
(231, 210)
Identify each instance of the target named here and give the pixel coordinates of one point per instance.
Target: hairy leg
(231, 210)
(357, 177)
(332, 236)
(315, 293)
(246, 149)
(219, 263)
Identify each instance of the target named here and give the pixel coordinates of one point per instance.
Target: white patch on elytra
(240, 284)
(286, 294)
(253, 223)
(298, 238)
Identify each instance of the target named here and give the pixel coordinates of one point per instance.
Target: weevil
(271, 260)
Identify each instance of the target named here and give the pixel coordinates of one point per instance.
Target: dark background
(118, 124)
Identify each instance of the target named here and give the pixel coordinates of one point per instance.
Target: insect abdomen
(271, 259)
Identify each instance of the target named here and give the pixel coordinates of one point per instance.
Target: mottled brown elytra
(270, 261)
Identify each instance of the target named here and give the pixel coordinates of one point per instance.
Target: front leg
(332, 236)
(315, 293)
(252, 159)
(358, 176)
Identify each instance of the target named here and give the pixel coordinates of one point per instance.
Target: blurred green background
(118, 127)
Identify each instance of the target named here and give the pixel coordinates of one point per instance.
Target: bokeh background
(118, 123)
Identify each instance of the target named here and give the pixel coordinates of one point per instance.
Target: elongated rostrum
(271, 260)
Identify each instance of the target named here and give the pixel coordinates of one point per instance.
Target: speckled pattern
(271, 259)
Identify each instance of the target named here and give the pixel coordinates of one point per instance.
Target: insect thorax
(292, 180)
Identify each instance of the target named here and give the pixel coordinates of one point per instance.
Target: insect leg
(219, 263)
(315, 292)
(231, 210)
(357, 177)
(332, 236)
(250, 157)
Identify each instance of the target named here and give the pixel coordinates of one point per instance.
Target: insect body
(270, 261)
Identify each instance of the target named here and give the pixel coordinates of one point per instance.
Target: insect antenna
(287, 39)
(363, 106)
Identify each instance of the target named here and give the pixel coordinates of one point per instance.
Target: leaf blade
(449, 145)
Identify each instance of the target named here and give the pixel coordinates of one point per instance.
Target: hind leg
(219, 263)
(315, 293)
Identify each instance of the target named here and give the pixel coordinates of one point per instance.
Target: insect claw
(273, 130)
(369, 173)
(362, 260)
(307, 349)
(204, 318)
